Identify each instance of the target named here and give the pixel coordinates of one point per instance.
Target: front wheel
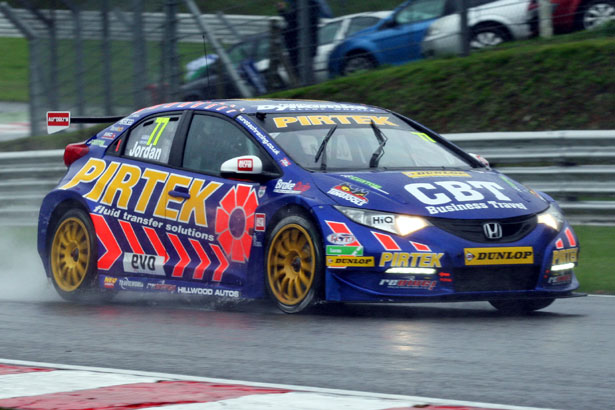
(520, 306)
(487, 36)
(358, 62)
(294, 264)
(72, 255)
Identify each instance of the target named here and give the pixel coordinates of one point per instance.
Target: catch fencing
(575, 167)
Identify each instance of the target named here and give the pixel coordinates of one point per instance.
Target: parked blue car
(394, 40)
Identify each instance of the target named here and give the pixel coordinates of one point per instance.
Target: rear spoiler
(61, 120)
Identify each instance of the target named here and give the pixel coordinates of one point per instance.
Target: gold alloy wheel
(70, 254)
(291, 264)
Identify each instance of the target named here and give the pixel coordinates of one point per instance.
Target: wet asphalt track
(562, 357)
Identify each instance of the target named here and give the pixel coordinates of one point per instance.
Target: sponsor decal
(349, 261)
(344, 250)
(565, 256)
(445, 277)
(564, 279)
(126, 121)
(128, 284)
(142, 263)
(310, 106)
(570, 236)
(99, 143)
(285, 162)
(190, 290)
(410, 260)
(116, 128)
(259, 222)
(559, 244)
(387, 242)
(235, 221)
(420, 247)
(114, 185)
(341, 238)
(334, 119)
(109, 135)
(290, 187)
(409, 283)
(341, 228)
(261, 191)
(161, 287)
(429, 174)
(57, 121)
(499, 256)
(264, 140)
(365, 182)
(245, 164)
(350, 193)
(467, 194)
(109, 282)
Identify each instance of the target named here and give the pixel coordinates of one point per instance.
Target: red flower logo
(235, 220)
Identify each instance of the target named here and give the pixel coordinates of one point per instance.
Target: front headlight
(551, 217)
(395, 223)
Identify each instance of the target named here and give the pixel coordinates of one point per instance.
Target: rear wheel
(294, 264)
(597, 12)
(72, 255)
(520, 306)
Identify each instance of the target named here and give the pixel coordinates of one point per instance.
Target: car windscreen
(357, 141)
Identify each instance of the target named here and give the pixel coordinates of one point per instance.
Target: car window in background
(326, 34)
(211, 141)
(420, 10)
(476, 3)
(152, 139)
(239, 52)
(360, 23)
(262, 49)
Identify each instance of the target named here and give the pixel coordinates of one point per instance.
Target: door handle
(179, 194)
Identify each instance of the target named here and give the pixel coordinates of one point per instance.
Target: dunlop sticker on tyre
(499, 256)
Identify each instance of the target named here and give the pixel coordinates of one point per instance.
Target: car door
(136, 177)
(400, 40)
(215, 243)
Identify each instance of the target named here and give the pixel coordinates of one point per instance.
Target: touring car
(299, 201)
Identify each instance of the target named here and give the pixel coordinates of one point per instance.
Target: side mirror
(480, 159)
(243, 165)
(388, 23)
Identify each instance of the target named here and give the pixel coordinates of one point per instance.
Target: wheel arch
(493, 23)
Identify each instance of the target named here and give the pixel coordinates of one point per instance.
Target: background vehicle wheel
(294, 264)
(520, 306)
(72, 255)
(488, 36)
(597, 12)
(358, 62)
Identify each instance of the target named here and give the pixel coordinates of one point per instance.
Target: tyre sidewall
(88, 284)
(316, 291)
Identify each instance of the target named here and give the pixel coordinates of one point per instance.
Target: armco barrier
(575, 167)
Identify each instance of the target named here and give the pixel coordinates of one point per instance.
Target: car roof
(234, 107)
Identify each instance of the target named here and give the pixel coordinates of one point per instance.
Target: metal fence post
(106, 58)
(465, 31)
(306, 71)
(544, 16)
(169, 69)
(79, 59)
(140, 55)
(35, 88)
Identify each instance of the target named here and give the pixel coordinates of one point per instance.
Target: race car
(301, 201)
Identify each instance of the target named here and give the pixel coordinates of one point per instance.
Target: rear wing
(61, 120)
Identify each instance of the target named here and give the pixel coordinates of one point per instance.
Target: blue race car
(304, 201)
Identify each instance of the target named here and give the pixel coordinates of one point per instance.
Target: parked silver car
(490, 23)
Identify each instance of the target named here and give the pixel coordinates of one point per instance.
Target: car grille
(479, 279)
(513, 229)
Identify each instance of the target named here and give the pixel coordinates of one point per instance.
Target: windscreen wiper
(382, 140)
(322, 149)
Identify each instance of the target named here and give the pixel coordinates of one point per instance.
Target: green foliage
(14, 69)
(596, 271)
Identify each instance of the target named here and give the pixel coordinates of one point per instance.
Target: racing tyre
(520, 306)
(597, 12)
(294, 264)
(358, 62)
(72, 258)
(488, 36)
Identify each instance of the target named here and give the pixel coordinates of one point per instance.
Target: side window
(360, 23)
(326, 34)
(420, 10)
(211, 141)
(152, 139)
